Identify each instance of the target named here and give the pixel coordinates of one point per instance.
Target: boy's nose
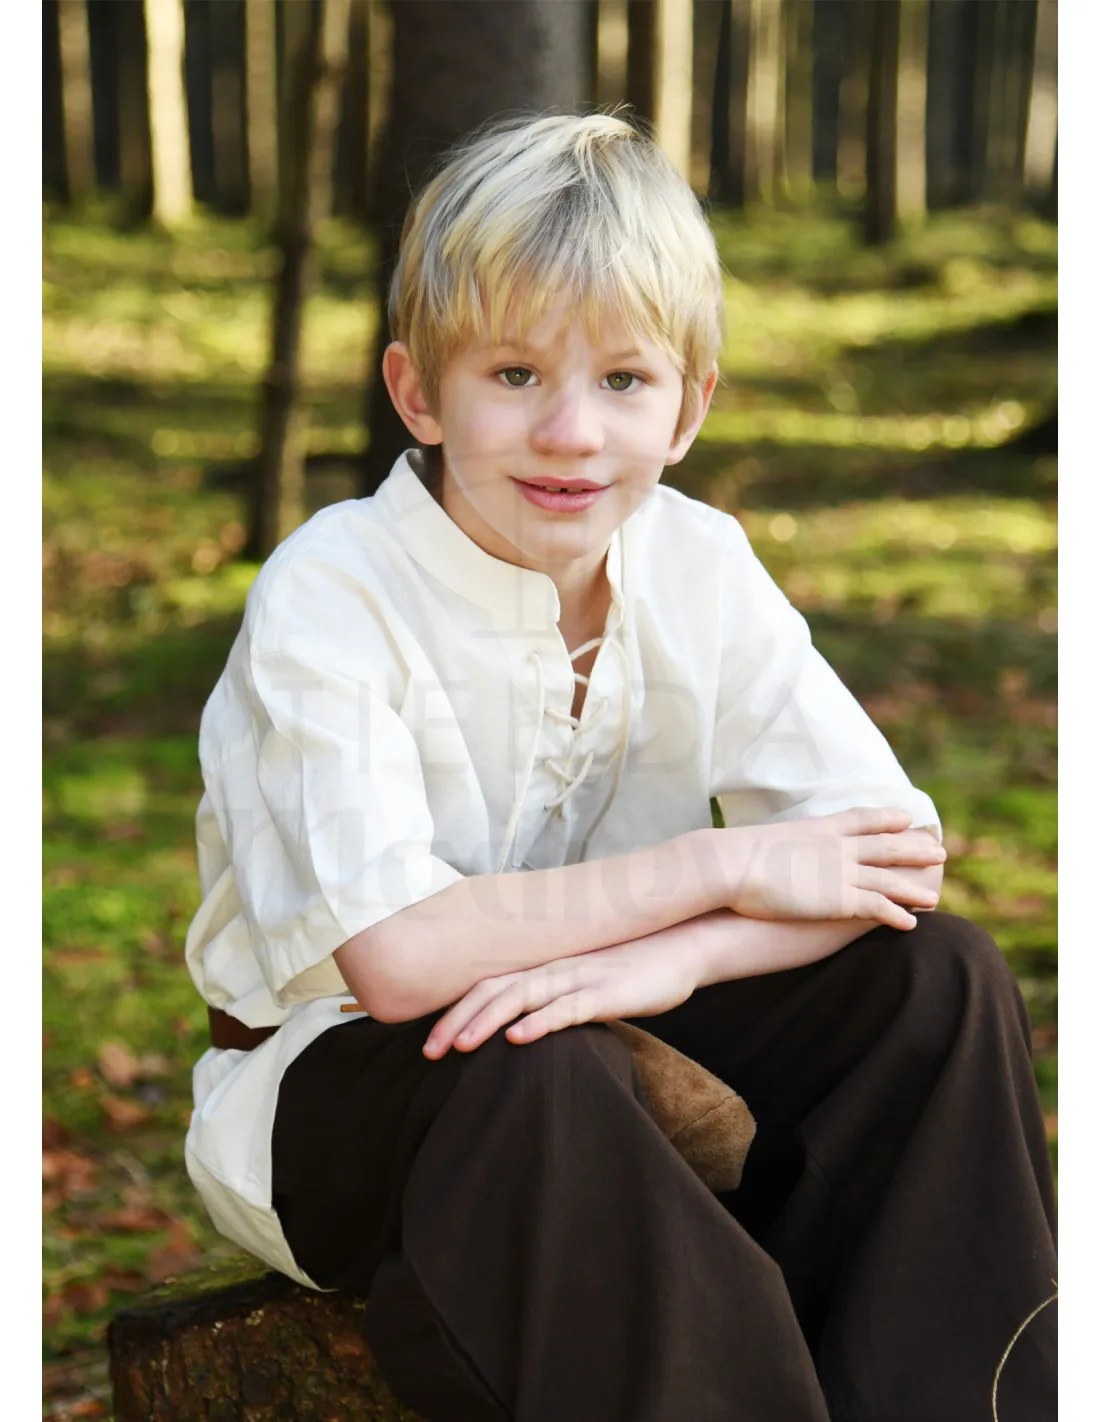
(567, 423)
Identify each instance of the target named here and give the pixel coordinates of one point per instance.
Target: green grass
(860, 436)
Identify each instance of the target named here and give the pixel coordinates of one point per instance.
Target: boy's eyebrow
(525, 349)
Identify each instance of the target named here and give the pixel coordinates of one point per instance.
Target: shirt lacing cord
(574, 721)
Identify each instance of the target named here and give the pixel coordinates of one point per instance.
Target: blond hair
(526, 209)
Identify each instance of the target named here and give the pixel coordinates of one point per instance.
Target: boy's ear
(682, 443)
(403, 383)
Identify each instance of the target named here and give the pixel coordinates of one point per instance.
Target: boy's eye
(620, 380)
(516, 375)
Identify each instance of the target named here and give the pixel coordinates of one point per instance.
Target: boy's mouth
(562, 486)
(563, 496)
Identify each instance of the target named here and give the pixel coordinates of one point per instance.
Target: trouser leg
(572, 1261)
(900, 1175)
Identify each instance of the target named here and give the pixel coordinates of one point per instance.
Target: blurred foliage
(860, 435)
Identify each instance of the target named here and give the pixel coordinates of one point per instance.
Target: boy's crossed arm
(637, 933)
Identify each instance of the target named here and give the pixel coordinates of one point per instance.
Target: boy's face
(558, 407)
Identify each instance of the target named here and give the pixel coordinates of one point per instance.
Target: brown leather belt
(229, 1031)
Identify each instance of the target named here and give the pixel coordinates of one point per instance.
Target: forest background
(223, 181)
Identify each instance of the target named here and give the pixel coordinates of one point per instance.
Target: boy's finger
(872, 819)
(896, 887)
(566, 1011)
(909, 847)
(879, 909)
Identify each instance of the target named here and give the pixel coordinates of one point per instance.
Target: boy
(458, 771)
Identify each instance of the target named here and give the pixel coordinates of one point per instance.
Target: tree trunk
(456, 63)
(261, 90)
(855, 89)
(227, 105)
(611, 50)
(673, 82)
(944, 181)
(1042, 115)
(135, 173)
(315, 69)
(706, 25)
(641, 57)
(880, 202)
(236, 1341)
(76, 100)
(766, 101)
(169, 139)
(985, 29)
(379, 96)
(798, 124)
(731, 89)
(828, 65)
(350, 175)
(912, 103)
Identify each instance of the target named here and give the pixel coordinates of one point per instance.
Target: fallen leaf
(86, 1296)
(87, 1407)
(1050, 1120)
(71, 1172)
(177, 1256)
(81, 1078)
(118, 1064)
(1044, 1037)
(123, 1115)
(133, 1219)
(54, 1134)
(126, 1281)
(51, 1199)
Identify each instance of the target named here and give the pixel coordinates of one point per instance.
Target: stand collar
(517, 599)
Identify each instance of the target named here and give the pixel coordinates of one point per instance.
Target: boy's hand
(635, 979)
(848, 865)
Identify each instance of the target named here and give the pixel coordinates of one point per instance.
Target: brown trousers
(532, 1247)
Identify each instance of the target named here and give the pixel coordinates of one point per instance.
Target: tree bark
(456, 63)
(238, 1341)
(912, 105)
(611, 50)
(261, 104)
(350, 174)
(379, 96)
(880, 202)
(135, 173)
(828, 65)
(673, 82)
(731, 88)
(641, 58)
(315, 72)
(227, 105)
(851, 153)
(1042, 115)
(798, 123)
(706, 25)
(170, 143)
(766, 102)
(76, 100)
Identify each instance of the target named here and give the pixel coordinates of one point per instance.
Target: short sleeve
(318, 785)
(790, 740)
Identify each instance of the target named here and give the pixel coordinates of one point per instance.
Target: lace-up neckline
(570, 781)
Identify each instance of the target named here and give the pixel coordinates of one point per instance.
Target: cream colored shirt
(395, 714)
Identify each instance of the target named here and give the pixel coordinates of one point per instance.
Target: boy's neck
(584, 593)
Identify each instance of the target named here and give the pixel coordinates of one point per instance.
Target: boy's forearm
(727, 945)
(430, 954)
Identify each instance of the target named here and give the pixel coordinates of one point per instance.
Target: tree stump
(238, 1343)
